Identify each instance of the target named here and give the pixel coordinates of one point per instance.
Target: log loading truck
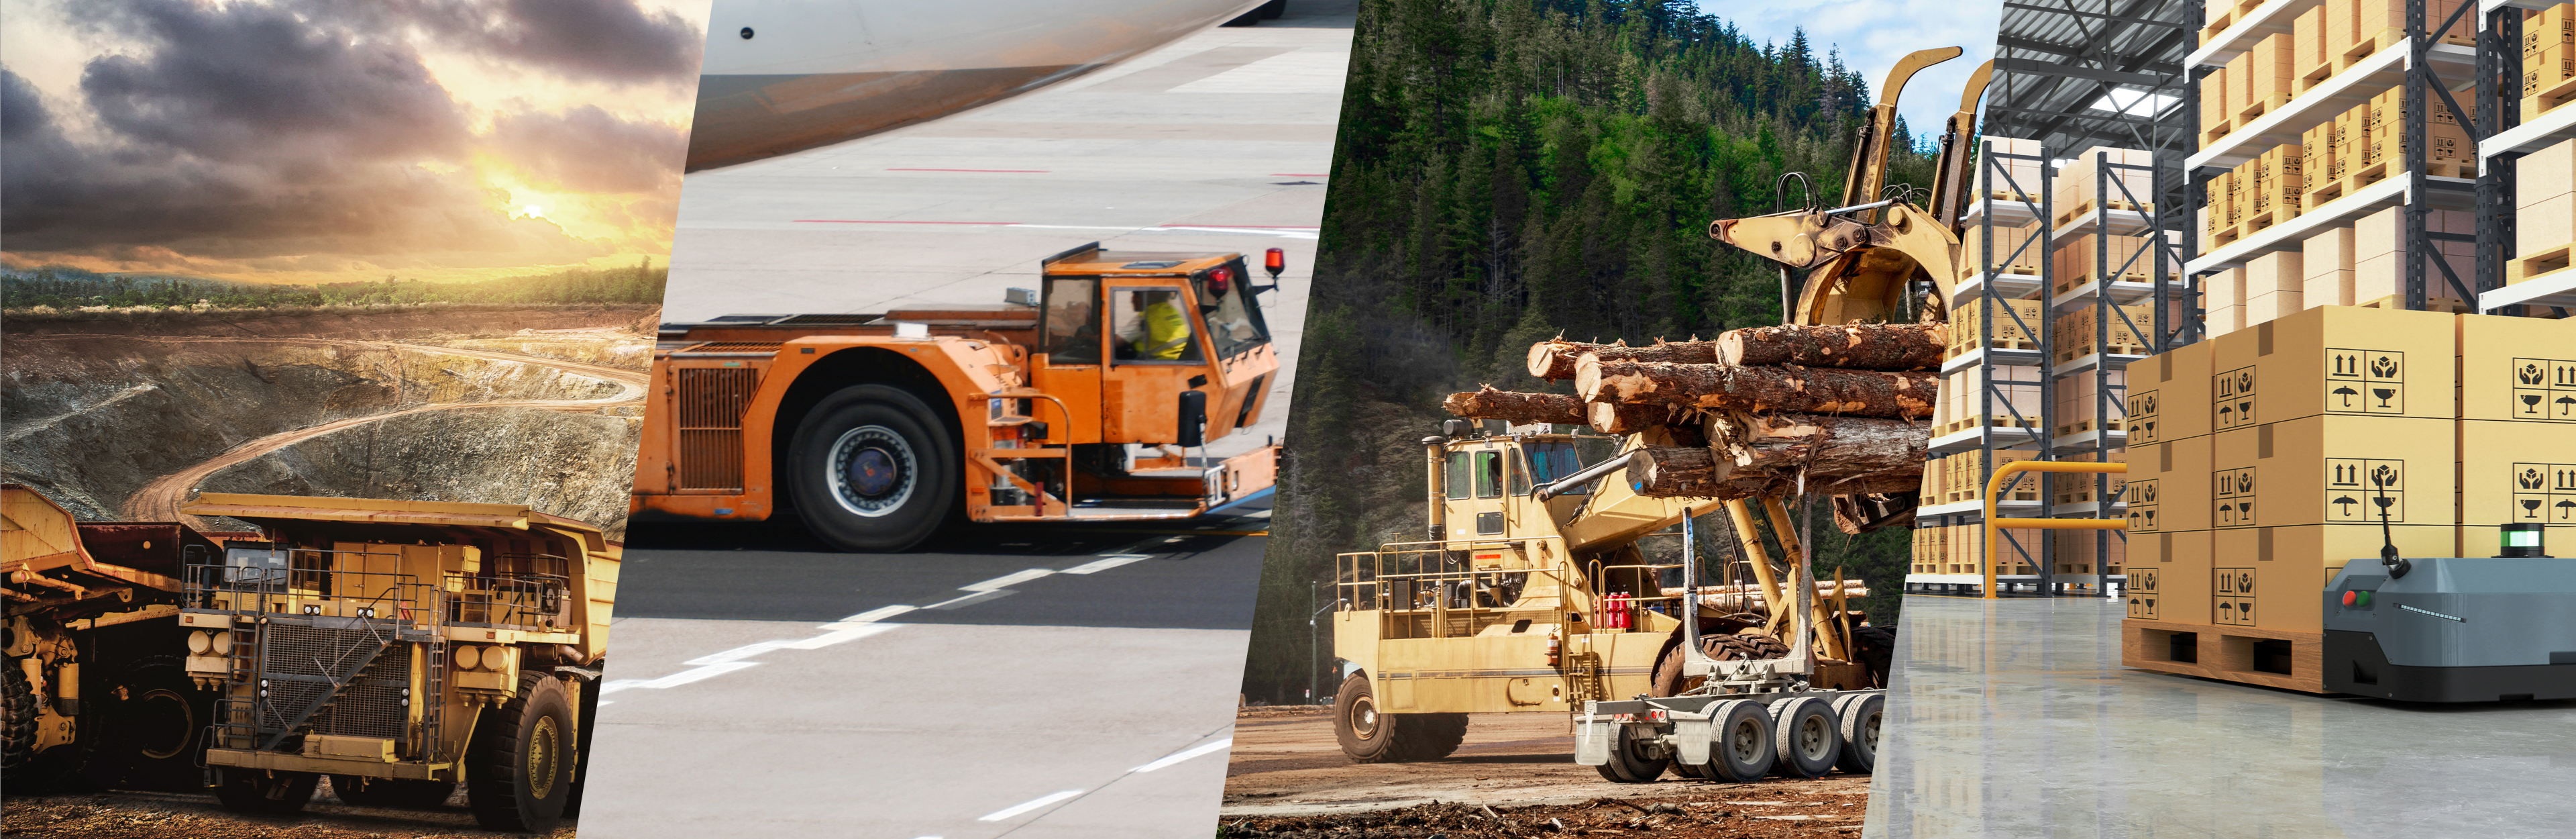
(877, 429)
(1539, 588)
(400, 647)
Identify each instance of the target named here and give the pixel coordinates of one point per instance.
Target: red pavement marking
(898, 169)
(877, 221)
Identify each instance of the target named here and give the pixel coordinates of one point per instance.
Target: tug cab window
(1551, 461)
(1489, 474)
(1154, 324)
(1073, 320)
(1233, 316)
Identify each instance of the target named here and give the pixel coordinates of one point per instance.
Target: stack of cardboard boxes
(2544, 211)
(2282, 451)
(2548, 59)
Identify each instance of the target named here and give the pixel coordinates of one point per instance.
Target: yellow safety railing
(1995, 485)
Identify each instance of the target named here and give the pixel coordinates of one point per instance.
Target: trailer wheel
(1368, 735)
(519, 765)
(1804, 733)
(1629, 762)
(266, 792)
(1743, 751)
(151, 727)
(873, 471)
(392, 793)
(1860, 713)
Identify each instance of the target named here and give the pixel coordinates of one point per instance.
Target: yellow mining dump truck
(1541, 591)
(401, 647)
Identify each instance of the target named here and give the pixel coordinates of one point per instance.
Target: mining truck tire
(150, 727)
(518, 769)
(1859, 714)
(1668, 670)
(1804, 732)
(1743, 749)
(18, 731)
(392, 793)
(265, 792)
(1875, 648)
(1369, 736)
(873, 471)
(1628, 762)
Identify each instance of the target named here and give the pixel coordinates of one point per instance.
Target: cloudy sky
(310, 140)
(1873, 34)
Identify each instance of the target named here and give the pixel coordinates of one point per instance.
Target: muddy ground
(1289, 779)
(158, 815)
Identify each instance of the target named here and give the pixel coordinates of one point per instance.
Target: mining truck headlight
(468, 656)
(222, 642)
(200, 643)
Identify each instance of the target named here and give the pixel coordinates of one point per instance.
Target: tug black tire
(872, 470)
(518, 768)
(392, 793)
(1370, 736)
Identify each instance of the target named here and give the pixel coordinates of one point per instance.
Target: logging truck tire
(872, 469)
(1859, 714)
(1742, 749)
(1369, 735)
(519, 765)
(266, 792)
(391, 793)
(1629, 762)
(1807, 737)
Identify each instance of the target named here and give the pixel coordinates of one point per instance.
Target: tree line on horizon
(1507, 171)
(68, 288)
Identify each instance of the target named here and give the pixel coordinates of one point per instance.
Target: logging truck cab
(401, 647)
(874, 428)
(1546, 583)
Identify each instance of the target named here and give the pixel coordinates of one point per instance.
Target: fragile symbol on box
(2544, 389)
(2141, 496)
(2235, 398)
(2233, 601)
(2365, 382)
(2359, 489)
(2544, 493)
(2142, 418)
(2233, 490)
(2142, 594)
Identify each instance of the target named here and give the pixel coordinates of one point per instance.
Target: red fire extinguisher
(1614, 611)
(1555, 649)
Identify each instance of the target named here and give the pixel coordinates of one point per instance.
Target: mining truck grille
(370, 708)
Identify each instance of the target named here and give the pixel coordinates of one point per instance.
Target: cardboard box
(2014, 321)
(2076, 397)
(2340, 18)
(2545, 69)
(2545, 174)
(2339, 359)
(2170, 388)
(2268, 70)
(2091, 551)
(2545, 225)
(2240, 83)
(2308, 40)
(2017, 175)
(2546, 28)
(2271, 305)
(2185, 496)
(2076, 182)
(2336, 469)
(2517, 472)
(2326, 259)
(2169, 579)
(2275, 271)
(2518, 369)
(2214, 100)
(2281, 572)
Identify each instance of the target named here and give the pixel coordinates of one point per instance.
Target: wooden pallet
(2363, 49)
(1998, 421)
(2431, 304)
(2087, 424)
(2086, 207)
(2211, 134)
(2545, 263)
(2315, 76)
(2116, 348)
(2223, 652)
(2256, 111)
(2549, 98)
(1956, 350)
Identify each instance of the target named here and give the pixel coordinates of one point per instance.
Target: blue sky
(1873, 34)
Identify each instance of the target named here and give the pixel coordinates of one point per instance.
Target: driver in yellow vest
(1157, 330)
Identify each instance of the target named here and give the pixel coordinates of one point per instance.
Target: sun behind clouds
(318, 143)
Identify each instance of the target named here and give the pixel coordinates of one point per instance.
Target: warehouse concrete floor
(2014, 718)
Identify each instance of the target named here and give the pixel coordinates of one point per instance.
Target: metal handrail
(1995, 484)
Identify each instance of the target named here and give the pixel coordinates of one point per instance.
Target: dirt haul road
(1288, 777)
(160, 500)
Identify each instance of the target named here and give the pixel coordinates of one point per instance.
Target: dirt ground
(159, 815)
(1288, 779)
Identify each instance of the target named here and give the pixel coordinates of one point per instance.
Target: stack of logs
(1765, 411)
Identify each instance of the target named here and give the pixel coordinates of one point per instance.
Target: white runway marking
(1007, 580)
(1042, 801)
(676, 679)
(1105, 563)
(1186, 754)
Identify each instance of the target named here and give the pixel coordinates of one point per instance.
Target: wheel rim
(165, 723)
(1364, 718)
(1869, 732)
(1746, 744)
(873, 470)
(541, 758)
(1813, 736)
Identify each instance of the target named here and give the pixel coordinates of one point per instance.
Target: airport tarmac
(2014, 718)
(1030, 680)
